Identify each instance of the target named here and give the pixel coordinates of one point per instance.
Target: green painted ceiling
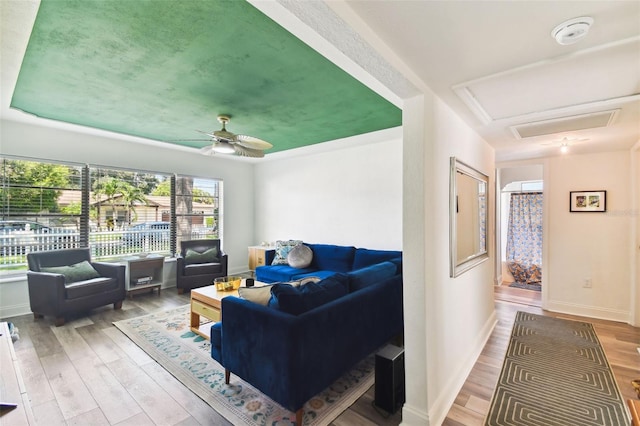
(163, 69)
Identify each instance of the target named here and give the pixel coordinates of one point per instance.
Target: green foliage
(33, 187)
(199, 195)
(163, 189)
(74, 208)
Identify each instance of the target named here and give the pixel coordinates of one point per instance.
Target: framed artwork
(588, 201)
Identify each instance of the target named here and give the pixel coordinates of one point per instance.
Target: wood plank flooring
(472, 403)
(88, 372)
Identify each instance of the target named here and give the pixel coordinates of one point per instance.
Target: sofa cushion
(296, 301)
(300, 256)
(318, 274)
(73, 273)
(280, 273)
(328, 257)
(216, 341)
(370, 275)
(202, 269)
(366, 257)
(90, 287)
(260, 294)
(207, 256)
(282, 250)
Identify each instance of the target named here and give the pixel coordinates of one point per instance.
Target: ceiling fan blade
(251, 142)
(210, 134)
(243, 151)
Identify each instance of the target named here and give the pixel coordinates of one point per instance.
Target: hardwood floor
(619, 341)
(88, 372)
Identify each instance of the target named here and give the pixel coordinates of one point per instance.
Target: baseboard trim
(414, 417)
(15, 310)
(589, 311)
(447, 397)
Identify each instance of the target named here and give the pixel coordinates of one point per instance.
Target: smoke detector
(572, 31)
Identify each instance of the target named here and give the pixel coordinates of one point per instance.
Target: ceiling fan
(225, 142)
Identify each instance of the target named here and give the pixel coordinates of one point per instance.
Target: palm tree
(130, 195)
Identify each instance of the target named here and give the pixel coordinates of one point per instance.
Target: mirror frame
(457, 268)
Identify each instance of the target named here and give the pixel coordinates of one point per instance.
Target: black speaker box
(389, 387)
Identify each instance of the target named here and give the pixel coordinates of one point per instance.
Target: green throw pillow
(74, 273)
(208, 256)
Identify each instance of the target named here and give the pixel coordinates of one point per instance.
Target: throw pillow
(300, 256)
(259, 295)
(370, 275)
(282, 251)
(207, 256)
(297, 301)
(73, 273)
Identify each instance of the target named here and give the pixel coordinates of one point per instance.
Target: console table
(12, 388)
(144, 274)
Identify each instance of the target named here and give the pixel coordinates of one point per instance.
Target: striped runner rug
(555, 372)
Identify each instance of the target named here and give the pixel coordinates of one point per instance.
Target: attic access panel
(165, 71)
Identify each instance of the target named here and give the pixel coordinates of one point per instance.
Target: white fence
(15, 245)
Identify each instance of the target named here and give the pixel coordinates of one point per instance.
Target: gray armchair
(66, 281)
(199, 262)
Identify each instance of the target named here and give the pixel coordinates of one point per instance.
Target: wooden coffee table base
(207, 302)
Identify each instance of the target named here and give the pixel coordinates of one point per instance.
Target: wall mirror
(468, 195)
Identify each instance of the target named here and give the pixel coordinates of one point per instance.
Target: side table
(257, 256)
(144, 274)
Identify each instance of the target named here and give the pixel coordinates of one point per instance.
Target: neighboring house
(156, 209)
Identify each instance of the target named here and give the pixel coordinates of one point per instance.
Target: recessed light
(572, 31)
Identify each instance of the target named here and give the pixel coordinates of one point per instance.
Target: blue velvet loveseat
(327, 259)
(292, 354)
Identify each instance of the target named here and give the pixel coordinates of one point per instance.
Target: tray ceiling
(165, 71)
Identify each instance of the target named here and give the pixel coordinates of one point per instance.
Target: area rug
(534, 287)
(555, 372)
(168, 339)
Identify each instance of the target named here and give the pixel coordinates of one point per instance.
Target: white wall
(447, 320)
(350, 196)
(590, 245)
(20, 139)
(635, 248)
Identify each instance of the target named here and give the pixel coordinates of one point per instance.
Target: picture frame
(588, 201)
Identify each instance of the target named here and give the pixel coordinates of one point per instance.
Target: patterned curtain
(524, 237)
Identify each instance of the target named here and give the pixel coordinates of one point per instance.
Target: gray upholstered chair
(67, 281)
(199, 262)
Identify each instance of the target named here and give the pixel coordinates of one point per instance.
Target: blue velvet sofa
(327, 260)
(291, 358)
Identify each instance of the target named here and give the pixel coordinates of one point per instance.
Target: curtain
(524, 237)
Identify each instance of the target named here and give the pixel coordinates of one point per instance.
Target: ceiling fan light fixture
(223, 148)
(572, 31)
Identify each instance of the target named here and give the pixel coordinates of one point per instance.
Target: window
(197, 208)
(116, 212)
(40, 209)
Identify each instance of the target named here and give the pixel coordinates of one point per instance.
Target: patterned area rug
(167, 338)
(555, 372)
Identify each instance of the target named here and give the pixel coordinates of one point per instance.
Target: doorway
(520, 223)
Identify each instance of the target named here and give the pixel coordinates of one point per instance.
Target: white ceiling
(494, 62)
(497, 65)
